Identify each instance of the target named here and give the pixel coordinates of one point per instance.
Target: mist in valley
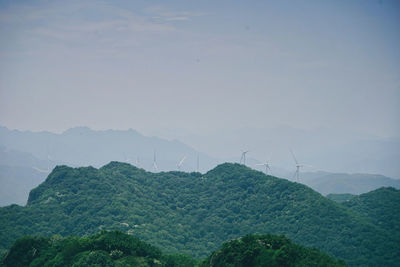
(305, 91)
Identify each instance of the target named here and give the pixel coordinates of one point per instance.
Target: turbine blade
(182, 160)
(295, 160)
(294, 175)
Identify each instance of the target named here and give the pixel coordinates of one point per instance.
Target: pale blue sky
(196, 66)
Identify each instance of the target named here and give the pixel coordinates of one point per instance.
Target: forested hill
(267, 250)
(193, 213)
(381, 207)
(340, 198)
(116, 249)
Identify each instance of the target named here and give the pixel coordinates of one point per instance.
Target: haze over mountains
(27, 157)
(326, 149)
(340, 183)
(167, 97)
(81, 146)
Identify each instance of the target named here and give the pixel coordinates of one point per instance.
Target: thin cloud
(54, 22)
(162, 13)
(177, 18)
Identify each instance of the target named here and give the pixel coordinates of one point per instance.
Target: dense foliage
(107, 249)
(380, 207)
(113, 249)
(194, 214)
(267, 250)
(340, 198)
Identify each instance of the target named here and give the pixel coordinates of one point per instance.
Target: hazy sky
(200, 65)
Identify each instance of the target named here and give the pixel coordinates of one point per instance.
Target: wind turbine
(266, 164)
(298, 166)
(181, 162)
(154, 162)
(48, 163)
(198, 164)
(127, 160)
(137, 161)
(243, 158)
(40, 170)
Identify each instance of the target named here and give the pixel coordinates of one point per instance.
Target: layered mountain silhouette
(194, 214)
(27, 157)
(342, 183)
(81, 146)
(20, 172)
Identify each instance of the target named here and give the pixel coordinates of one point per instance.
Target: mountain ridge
(194, 213)
(82, 146)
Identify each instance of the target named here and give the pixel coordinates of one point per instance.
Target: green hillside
(267, 250)
(194, 214)
(340, 198)
(106, 249)
(380, 207)
(116, 249)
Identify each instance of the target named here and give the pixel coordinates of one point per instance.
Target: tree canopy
(194, 214)
(116, 249)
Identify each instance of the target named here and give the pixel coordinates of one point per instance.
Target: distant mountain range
(81, 146)
(340, 183)
(327, 149)
(19, 173)
(195, 213)
(27, 157)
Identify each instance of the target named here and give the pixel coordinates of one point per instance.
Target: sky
(173, 67)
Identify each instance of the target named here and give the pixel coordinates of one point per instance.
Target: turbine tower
(40, 170)
(198, 164)
(243, 158)
(155, 168)
(298, 166)
(137, 161)
(267, 166)
(48, 162)
(181, 162)
(127, 160)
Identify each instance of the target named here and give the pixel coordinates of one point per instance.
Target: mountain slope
(108, 249)
(16, 182)
(10, 157)
(193, 213)
(380, 207)
(81, 146)
(20, 172)
(341, 183)
(340, 198)
(267, 250)
(116, 249)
